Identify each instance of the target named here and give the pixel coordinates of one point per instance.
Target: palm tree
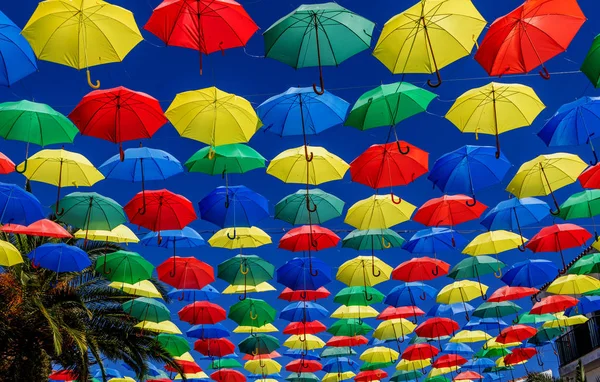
(541, 377)
(72, 320)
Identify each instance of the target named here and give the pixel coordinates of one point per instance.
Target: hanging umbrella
(303, 311)
(9, 254)
(467, 376)
(468, 169)
(355, 295)
(573, 285)
(243, 237)
(530, 273)
(494, 242)
(124, 266)
(457, 348)
(292, 208)
(293, 166)
(395, 329)
(307, 238)
(449, 360)
(202, 25)
(90, 211)
(470, 336)
(299, 365)
(120, 234)
(46, 228)
(586, 265)
(218, 347)
(406, 293)
(60, 258)
(420, 269)
(208, 331)
(545, 174)
(202, 312)
(224, 363)
(185, 273)
(226, 159)
(303, 295)
(90, 34)
(557, 238)
(18, 60)
(436, 328)
(297, 274)
(184, 238)
(449, 210)
(494, 109)
(143, 288)
(263, 367)
(583, 204)
(528, 36)
(379, 354)
(349, 327)
(18, 206)
(365, 271)
(147, 309)
(246, 270)
(297, 328)
(359, 312)
(527, 318)
(486, 324)
(420, 352)
(392, 312)
(519, 355)
(233, 206)
(434, 240)
(160, 210)
(252, 312)
(553, 304)
(589, 66)
(259, 344)
(175, 345)
(461, 291)
(516, 333)
(429, 36)
(443, 310)
(374, 239)
(496, 309)
(507, 293)
(207, 293)
(475, 267)
(379, 212)
(317, 35)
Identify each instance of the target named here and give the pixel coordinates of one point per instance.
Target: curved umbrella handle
(535, 297)
(540, 361)
(595, 161)
(253, 316)
(400, 149)
(385, 244)
(472, 202)
(242, 297)
(234, 235)
(414, 320)
(211, 154)
(89, 80)
(423, 296)
(544, 73)
(367, 296)
(24, 167)
(261, 363)
(173, 272)
(521, 248)
(303, 295)
(308, 206)
(556, 212)
(499, 274)
(516, 320)
(373, 271)
(322, 91)
(33, 264)
(439, 80)
(437, 271)
(399, 200)
(302, 338)
(562, 271)
(59, 213)
(227, 200)
(308, 156)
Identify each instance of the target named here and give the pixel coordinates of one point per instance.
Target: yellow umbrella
(394, 329)
(144, 288)
(378, 211)
(296, 166)
(188, 376)
(263, 367)
(573, 284)
(120, 234)
(61, 168)
(9, 254)
(379, 354)
(500, 362)
(337, 377)
(305, 341)
(240, 289)
(213, 116)
(123, 379)
(81, 33)
(267, 328)
(434, 372)
(493, 243)
(159, 327)
(494, 109)
(492, 344)
(563, 321)
(363, 270)
(241, 237)
(344, 312)
(469, 336)
(461, 291)
(185, 357)
(407, 365)
(545, 174)
(428, 36)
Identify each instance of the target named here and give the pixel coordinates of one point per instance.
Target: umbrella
(530, 273)
(317, 35)
(303, 311)
(586, 305)
(303, 295)
(404, 294)
(213, 116)
(360, 312)
(475, 267)
(420, 352)
(355, 295)
(60, 258)
(470, 336)
(119, 234)
(392, 164)
(487, 323)
(374, 239)
(349, 327)
(379, 354)
(589, 66)
(436, 328)
(395, 329)
(160, 210)
(516, 333)
(307, 238)
(184, 238)
(246, 270)
(292, 166)
(252, 312)
(297, 328)
(583, 204)
(18, 206)
(90, 211)
(585, 265)
(46, 228)
(207, 293)
(263, 367)
(226, 159)
(428, 36)
(496, 309)
(392, 312)
(186, 273)
(110, 30)
(527, 318)
(208, 331)
(449, 210)
(259, 344)
(124, 266)
(379, 212)
(118, 115)
(519, 355)
(449, 360)
(292, 208)
(545, 174)
(494, 242)
(573, 285)
(302, 274)
(175, 345)
(243, 237)
(218, 347)
(457, 348)
(202, 312)
(7, 166)
(9, 254)
(225, 363)
(443, 310)
(420, 269)
(354, 272)
(558, 237)
(233, 206)
(468, 169)
(467, 376)
(205, 26)
(461, 291)
(299, 365)
(143, 288)
(18, 60)
(433, 240)
(494, 109)
(147, 309)
(507, 293)
(528, 36)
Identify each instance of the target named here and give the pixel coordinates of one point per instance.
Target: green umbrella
(91, 211)
(584, 204)
(350, 327)
(375, 366)
(545, 335)
(35, 123)
(595, 292)
(123, 266)
(497, 369)
(343, 351)
(292, 208)
(388, 105)
(527, 318)
(259, 344)
(224, 363)
(245, 270)
(317, 35)
(302, 377)
(236, 158)
(437, 378)
(147, 309)
(174, 344)
(591, 63)
(475, 267)
(403, 375)
(586, 265)
(356, 296)
(372, 239)
(496, 309)
(492, 353)
(252, 312)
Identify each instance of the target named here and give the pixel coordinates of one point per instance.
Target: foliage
(541, 377)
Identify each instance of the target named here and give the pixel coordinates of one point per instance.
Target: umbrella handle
(521, 248)
(261, 363)
(234, 234)
(173, 272)
(595, 161)
(315, 273)
(303, 295)
(400, 148)
(89, 80)
(253, 316)
(499, 274)
(544, 73)
(211, 154)
(180, 298)
(255, 352)
(242, 297)
(535, 297)
(59, 213)
(300, 338)
(322, 91)
(423, 296)
(437, 271)
(540, 361)
(307, 156)
(24, 167)
(308, 206)
(399, 200)
(472, 202)
(385, 244)
(439, 80)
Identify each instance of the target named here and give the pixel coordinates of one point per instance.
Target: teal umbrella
(259, 344)
(245, 270)
(123, 266)
(147, 309)
(349, 327)
(496, 309)
(91, 211)
(357, 296)
(372, 239)
(338, 352)
(302, 377)
(404, 375)
(174, 344)
(292, 208)
(475, 267)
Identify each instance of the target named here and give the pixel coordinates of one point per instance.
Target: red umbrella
(590, 178)
(303, 366)
(449, 360)
(46, 228)
(519, 355)
(449, 210)
(558, 237)
(186, 273)
(63, 375)
(306, 239)
(298, 328)
(160, 210)
(204, 25)
(271, 355)
(188, 367)
(13, 228)
(418, 352)
(437, 327)
(507, 293)
(214, 347)
(227, 375)
(391, 312)
(118, 115)
(467, 375)
(6, 165)
(202, 312)
(392, 164)
(420, 269)
(370, 375)
(553, 304)
(304, 295)
(344, 341)
(528, 36)
(515, 333)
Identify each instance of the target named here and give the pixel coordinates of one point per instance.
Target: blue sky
(165, 71)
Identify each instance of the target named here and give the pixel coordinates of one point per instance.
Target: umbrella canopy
(379, 212)
(493, 242)
(233, 206)
(9, 254)
(512, 214)
(507, 293)
(298, 166)
(349, 327)
(18, 206)
(553, 304)
(449, 210)
(573, 285)
(207, 293)
(558, 237)
(515, 333)
(259, 344)
(436, 327)
(434, 240)
(147, 309)
(175, 345)
(60, 258)
(420, 352)
(530, 273)
(420, 269)
(219, 347)
(245, 270)
(236, 238)
(589, 65)
(18, 60)
(90, 211)
(292, 208)
(183, 238)
(7, 166)
(160, 210)
(185, 273)
(355, 295)
(302, 274)
(202, 312)
(120, 234)
(374, 239)
(461, 291)
(226, 159)
(303, 311)
(124, 266)
(252, 312)
(46, 228)
(475, 267)
(307, 238)
(496, 309)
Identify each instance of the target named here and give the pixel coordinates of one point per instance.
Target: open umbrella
(175, 345)
(573, 285)
(252, 312)
(233, 206)
(507, 293)
(530, 273)
(184, 238)
(365, 271)
(60, 258)
(246, 270)
(124, 266)
(9, 254)
(557, 238)
(494, 242)
(379, 212)
(121, 234)
(553, 304)
(292, 166)
(18, 206)
(449, 210)
(292, 208)
(186, 273)
(418, 352)
(160, 210)
(475, 267)
(18, 60)
(222, 160)
(46, 228)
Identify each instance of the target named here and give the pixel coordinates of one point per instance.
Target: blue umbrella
(60, 258)
(443, 310)
(434, 240)
(485, 324)
(586, 304)
(110, 373)
(491, 377)
(469, 169)
(236, 206)
(208, 293)
(17, 59)
(184, 238)
(340, 365)
(575, 123)
(530, 273)
(512, 214)
(300, 353)
(296, 274)
(302, 311)
(404, 294)
(206, 331)
(18, 206)
(478, 363)
(458, 348)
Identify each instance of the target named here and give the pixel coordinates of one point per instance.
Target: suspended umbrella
(292, 166)
(372, 239)
(436, 328)
(475, 267)
(246, 270)
(259, 344)
(449, 360)
(175, 345)
(443, 310)
(18, 59)
(18, 206)
(420, 352)
(271, 355)
(202, 312)
(205, 26)
(355, 296)
(160, 210)
(470, 336)
(530, 273)
(226, 159)
(355, 272)
(7, 166)
(184, 238)
(563, 321)
(238, 238)
(123, 266)
(303, 295)
(208, 331)
(263, 367)
(302, 377)
(467, 376)
(224, 363)
(185, 273)
(573, 285)
(233, 206)
(349, 327)
(379, 212)
(494, 242)
(120, 234)
(392, 312)
(449, 210)
(317, 35)
(485, 110)
(404, 294)
(59, 258)
(582, 205)
(528, 36)
(516, 333)
(46, 228)
(311, 327)
(218, 347)
(143, 288)
(420, 269)
(457, 348)
(394, 329)
(586, 265)
(406, 365)
(337, 352)
(545, 174)
(558, 237)
(308, 342)
(588, 67)
(241, 289)
(359, 312)
(303, 311)
(528, 318)
(292, 208)
(252, 312)
(9, 254)
(520, 355)
(343, 341)
(297, 274)
(147, 309)
(308, 238)
(430, 241)
(207, 293)
(379, 354)
(429, 36)
(300, 365)
(507, 293)
(461, 291)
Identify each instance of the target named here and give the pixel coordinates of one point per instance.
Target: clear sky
(165, 71)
